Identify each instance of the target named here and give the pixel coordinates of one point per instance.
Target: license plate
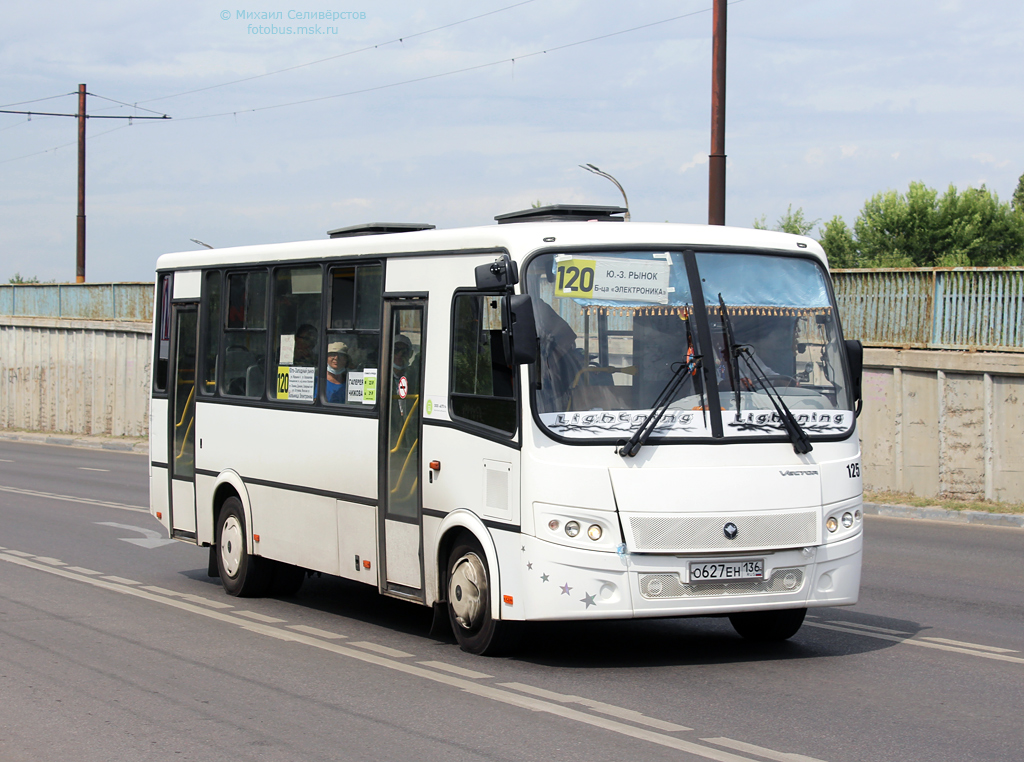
(723, 571)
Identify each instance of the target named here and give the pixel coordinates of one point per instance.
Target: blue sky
(828, 102)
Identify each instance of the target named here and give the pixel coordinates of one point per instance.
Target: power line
(37, 100)
(340, 55)
(64, 145)
(512, 60)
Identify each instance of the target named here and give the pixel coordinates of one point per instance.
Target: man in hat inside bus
(338, 361)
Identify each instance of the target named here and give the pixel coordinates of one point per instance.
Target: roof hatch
(565, 213)
(378, 228)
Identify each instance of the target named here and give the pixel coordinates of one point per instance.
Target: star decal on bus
(588, 599)
(566, 589)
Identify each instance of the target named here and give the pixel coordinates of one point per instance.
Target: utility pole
(82, 116)
(716, 163)
(80, 243)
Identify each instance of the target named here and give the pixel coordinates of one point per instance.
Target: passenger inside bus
(338, 363)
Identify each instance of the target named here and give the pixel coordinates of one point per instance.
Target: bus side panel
(296, 466)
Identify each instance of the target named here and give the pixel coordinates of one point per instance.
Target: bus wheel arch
(458, 523)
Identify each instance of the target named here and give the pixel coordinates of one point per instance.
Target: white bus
(561, 416)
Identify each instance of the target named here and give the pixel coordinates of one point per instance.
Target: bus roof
(518, 239)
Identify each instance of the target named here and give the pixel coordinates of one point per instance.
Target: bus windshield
(615, 327)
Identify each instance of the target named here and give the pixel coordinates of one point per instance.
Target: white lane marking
(259, 617)
(86, 468)
(5, 460)
(50, 561)
(461, 671)
(73, 499)
(207, 602)
(21, 554)
(919, 643)
(82, 570)
(749, 748)
(161, 590)
(392, 652)
(844, 623)
(598, 706)
(121, 580)
(994, 649)
(151, 538)
(316, 631)
(476, 689)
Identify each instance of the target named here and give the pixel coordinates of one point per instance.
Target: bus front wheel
(469, 602)
(242, 574)
(768, 626)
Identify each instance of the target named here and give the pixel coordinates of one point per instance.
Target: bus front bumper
(562, 583)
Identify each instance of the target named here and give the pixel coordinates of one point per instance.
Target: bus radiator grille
(757, 531)
(660, 586)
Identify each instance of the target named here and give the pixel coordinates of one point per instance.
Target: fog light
(832, 525)
(654, 586)
(594, 532)
(572, 528)
(553, 524)
(847, 520)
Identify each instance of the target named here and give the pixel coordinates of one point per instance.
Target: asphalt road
(117, 646)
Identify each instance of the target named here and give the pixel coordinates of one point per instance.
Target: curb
(935, 513)
(121, 444)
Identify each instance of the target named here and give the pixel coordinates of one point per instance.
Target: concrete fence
(75, 376)
(944, 423)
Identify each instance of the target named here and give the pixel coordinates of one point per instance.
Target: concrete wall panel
(74, 376)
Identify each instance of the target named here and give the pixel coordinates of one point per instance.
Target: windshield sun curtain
(619, 328)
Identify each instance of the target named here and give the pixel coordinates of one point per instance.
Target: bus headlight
(553, 525)
(832, 525)
(594, 532)
(847, 519)
(572, 528)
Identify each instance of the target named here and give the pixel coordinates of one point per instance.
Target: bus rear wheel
(242, 574)
(768, 626)
(469, 602)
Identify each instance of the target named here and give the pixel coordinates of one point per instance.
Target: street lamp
(596, 171)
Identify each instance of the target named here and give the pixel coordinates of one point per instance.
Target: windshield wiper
(734, 365)
(801, 443)
(632, 446)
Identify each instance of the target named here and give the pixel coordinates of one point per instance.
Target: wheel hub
(231, 544)
(467, 590)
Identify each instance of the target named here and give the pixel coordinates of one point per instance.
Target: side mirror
(523, 325)
(855, 356)
(501, 273)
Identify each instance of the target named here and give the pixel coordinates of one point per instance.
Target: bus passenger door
(182, 424)
(399, 392)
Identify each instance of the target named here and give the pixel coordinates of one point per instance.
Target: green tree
(1018, 196)
(922, 229)
(791, 222)
(838, 242)
(17, 278)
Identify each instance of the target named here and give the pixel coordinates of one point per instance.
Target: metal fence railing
(83, 301)
(934, 307)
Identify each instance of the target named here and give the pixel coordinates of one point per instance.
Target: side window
(211, 320)
(353, 333)
(163, 333)
(482, 380)
(297, 334)
(245, 335)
